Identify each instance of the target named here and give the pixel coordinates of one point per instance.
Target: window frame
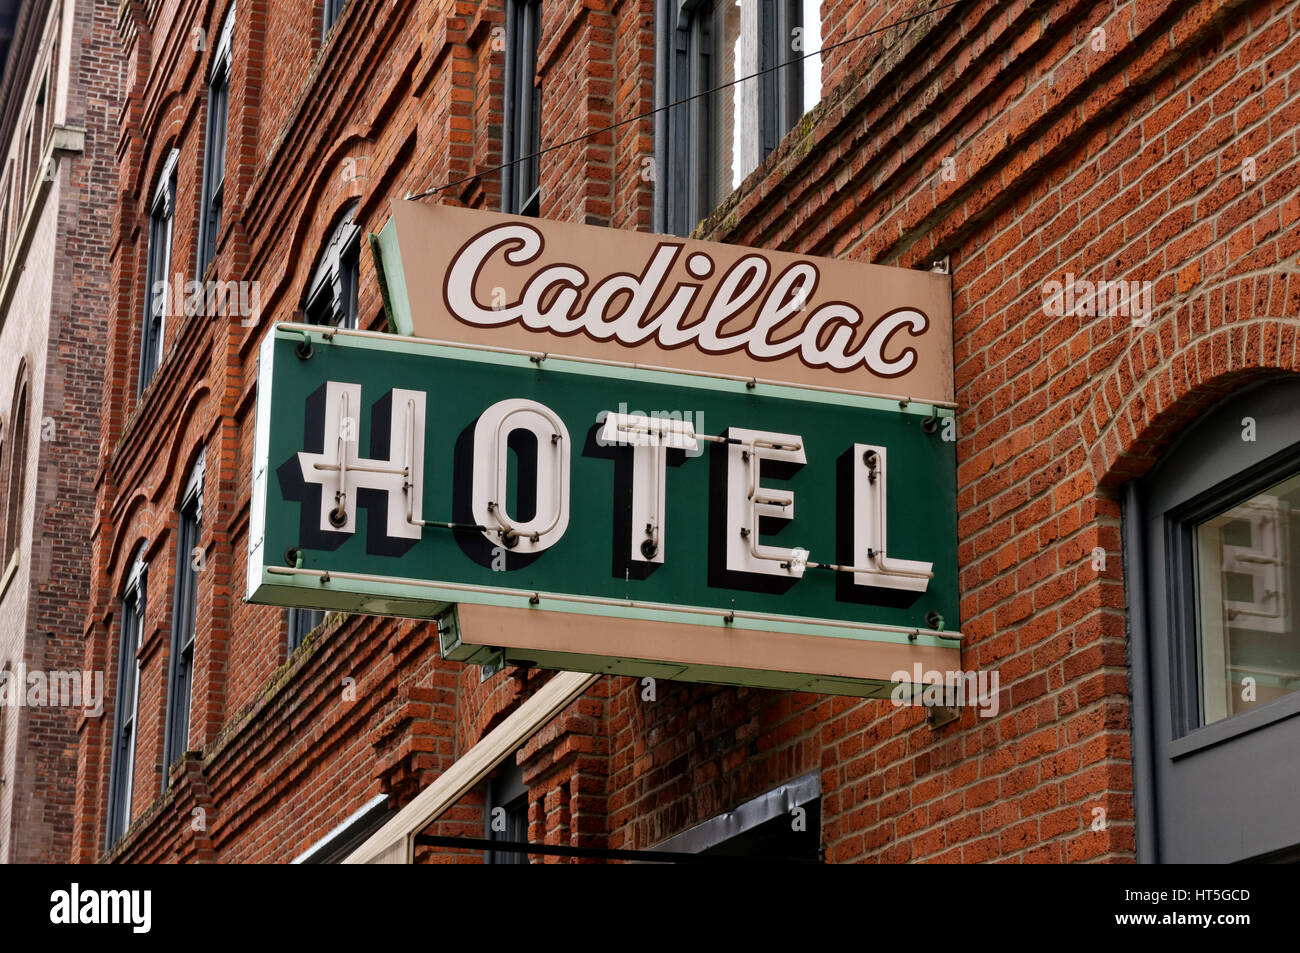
(1181, 776)
(15, 475)
(521, 140)
(685, 145)
(1187, 693)
(121, 774)
(506, 789)
(215, 141)
(185, 591)
(332, 295)
(158, 256)
(331, 11)
(301, 623)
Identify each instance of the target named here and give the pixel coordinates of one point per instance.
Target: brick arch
(1170, 392)
(321, 207)
(22, 414)
(184, 443)
(135, 546)
(132, 524)
(171, 123)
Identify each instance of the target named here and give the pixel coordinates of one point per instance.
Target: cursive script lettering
(620, 306)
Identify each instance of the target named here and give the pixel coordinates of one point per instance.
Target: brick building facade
(58, 96)
(1015, 144)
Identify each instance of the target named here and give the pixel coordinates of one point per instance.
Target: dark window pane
(521, 192)
(507, 812)
(332, 296)
(301, 623)
(330, 14)
(214, 166)
(183, 631)
(122, 770)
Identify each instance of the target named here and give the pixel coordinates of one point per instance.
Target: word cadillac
(474, 278)
(617, 307)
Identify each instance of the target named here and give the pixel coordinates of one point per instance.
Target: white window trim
(221, 55)
(163, 194)
(132, 591)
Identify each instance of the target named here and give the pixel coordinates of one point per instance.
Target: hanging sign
(601, 516)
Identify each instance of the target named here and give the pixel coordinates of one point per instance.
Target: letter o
(491, 459)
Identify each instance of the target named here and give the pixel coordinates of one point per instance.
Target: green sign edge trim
(440, 597)
(371, 340)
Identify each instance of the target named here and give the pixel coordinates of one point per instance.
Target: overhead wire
(639, 117)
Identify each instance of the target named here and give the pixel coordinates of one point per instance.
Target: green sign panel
(397, 476)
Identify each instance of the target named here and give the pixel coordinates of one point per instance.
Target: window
(1211, 571)
(122, 770)
(214, 153)
(16, 478)
(158, 261)
(301, 623)
(332, 295)
(522, 140)
(331, 298)
(5, 198)
(330, 13)
(1247, 565)
(715, 139)
(189, 561)
(507, 813)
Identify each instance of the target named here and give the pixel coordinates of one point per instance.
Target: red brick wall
(1123, 162)
(1120, 162)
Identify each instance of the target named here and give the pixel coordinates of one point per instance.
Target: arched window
(16, 477)
(189, 561)
(214, 151)
(1212, 571)
(122, 766)
(162, 211)
(331, 297)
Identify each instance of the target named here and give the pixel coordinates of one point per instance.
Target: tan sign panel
(480, 278)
